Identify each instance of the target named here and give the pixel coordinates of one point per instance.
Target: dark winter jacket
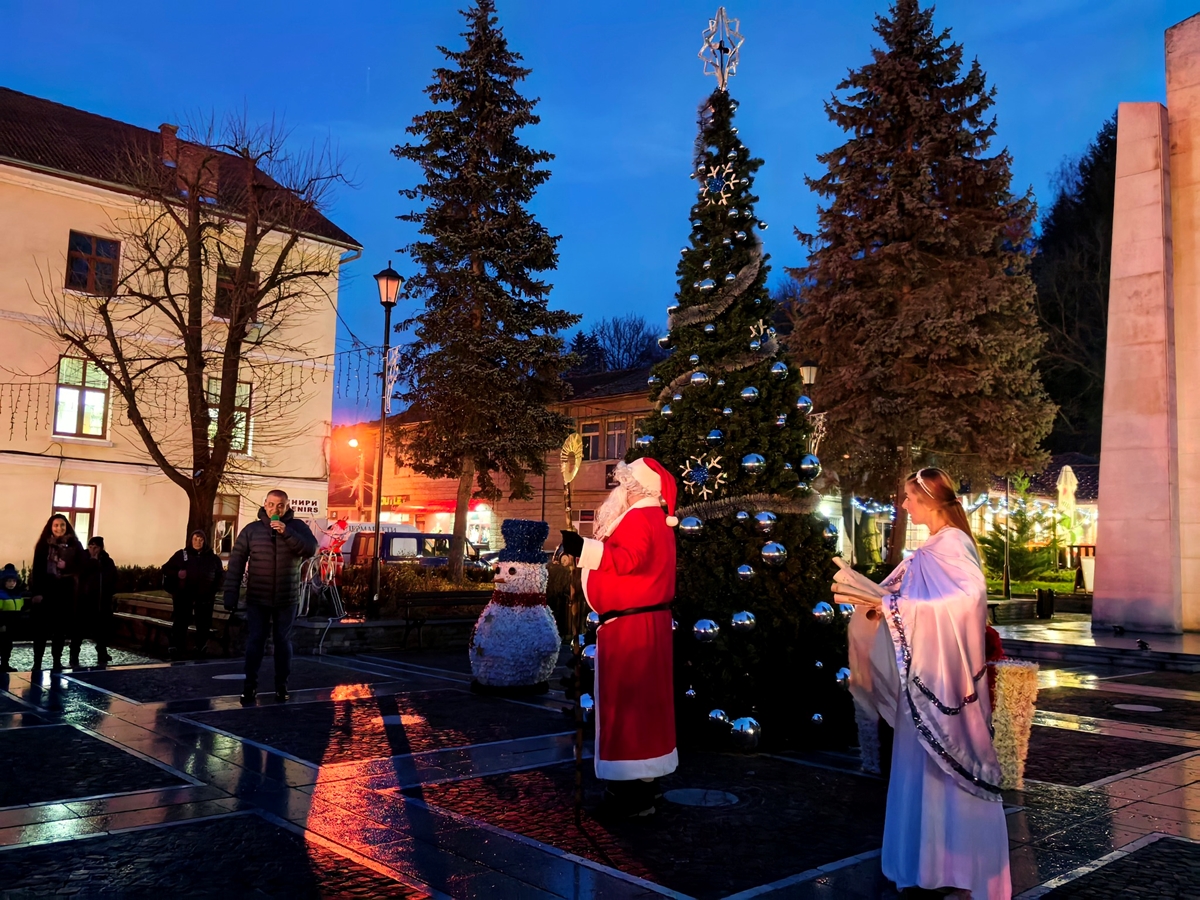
(14, 600)
(270, 560)
(205, 575)
(99, 581)
(41, 582)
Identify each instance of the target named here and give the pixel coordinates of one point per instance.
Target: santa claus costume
(628, 578)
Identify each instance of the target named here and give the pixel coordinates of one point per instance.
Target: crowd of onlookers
(66, 597)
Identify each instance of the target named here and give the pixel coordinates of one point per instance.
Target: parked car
(432, 550)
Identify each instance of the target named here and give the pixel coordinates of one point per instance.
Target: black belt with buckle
(617, 613)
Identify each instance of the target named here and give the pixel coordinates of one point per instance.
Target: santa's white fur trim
(593, 552)
(672, 521)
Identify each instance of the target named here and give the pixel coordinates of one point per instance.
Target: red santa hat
(651, 475)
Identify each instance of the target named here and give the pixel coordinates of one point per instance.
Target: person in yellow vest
(12, 603)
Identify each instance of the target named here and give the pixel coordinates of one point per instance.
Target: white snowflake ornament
(719, 184)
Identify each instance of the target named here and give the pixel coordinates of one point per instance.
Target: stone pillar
(1138, 543)
(1183, 106)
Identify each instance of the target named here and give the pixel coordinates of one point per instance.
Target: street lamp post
(389, 282)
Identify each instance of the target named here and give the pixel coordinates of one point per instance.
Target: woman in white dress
(925, 668)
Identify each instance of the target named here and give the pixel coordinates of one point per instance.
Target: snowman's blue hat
(523, 541)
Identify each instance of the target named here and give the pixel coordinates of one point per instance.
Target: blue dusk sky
(619, 87)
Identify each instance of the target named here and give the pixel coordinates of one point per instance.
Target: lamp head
(808, 371)
(353, 442)
(389, 281)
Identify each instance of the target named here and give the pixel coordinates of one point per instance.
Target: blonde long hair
(937, 487)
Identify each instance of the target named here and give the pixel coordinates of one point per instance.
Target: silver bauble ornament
(762, 225)
(726, 242)
(742, 516)
(787, 467)
(710, 328)
(694, 359)
(643, 441)
(707, 284)
(804, 405)
(810, 467)
(653, 380)
(727, 411)
(715, 437)
(745, 573)
(672, 309)
(720, 382)
(755, 344)
(699, 379)
(592, 622)
(774, 553)
(730, 276)
(707, 264)
(718, 717)
(696, 223)
(846, 609)
(677, 396)
(743, 621)
(587, 704)
(764, 522)
(683, 251)
(733, 105)
(771, 330)
(732, 154)
(665, 342)
(674, 624)
(690, 525)
(746, 732)
(690, 693)
(753, 463)
(705, 630)
(818, 665)
(779, 370)
(817, 719)
(843, 677)
(740, 235)
(733, 130)
(781, 419)
(824, 612)
(589, 656)
(749, 394)
(831, 532)
(666, 411)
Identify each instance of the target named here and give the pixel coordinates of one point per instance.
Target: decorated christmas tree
(756, 636)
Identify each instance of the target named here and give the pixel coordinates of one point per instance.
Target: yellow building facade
(66, 444)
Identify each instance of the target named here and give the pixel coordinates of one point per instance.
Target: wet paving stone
(59, 762)
(9, 705)
(193, 681)
(370, 728)
(235, 856)
(1183, 714)
(22, 656)
(1168, 869)
(789, 818)
(1178, 681)
(450, 660)
(1063, 756)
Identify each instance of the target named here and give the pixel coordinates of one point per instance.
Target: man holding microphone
(269, 552)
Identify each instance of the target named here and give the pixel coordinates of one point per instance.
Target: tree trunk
(201, 501)
(462, 505)
(848, 535)
(900, 524)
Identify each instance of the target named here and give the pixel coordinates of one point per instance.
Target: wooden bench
(417, 606)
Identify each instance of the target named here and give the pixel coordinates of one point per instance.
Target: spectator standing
(192, 577)
(269, 551)
(96, 603)
(58, 558)
(12, 605)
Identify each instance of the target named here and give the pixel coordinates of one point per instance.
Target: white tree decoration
(722, 45)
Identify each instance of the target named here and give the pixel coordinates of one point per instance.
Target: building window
(590, 432)
(225, 522)
(223, 299)
(587, 522)
(92, 264)
(616, 439)
(610, 476)
(240, 442)
(78, 503)
(81, 399)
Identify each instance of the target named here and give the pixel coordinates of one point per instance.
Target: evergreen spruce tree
(486, 360)
(917, 299)
(730, 422)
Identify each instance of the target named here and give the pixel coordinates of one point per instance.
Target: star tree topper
(722, 46)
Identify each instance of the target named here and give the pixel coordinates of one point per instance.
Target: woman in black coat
(193, 577)
(58, 559)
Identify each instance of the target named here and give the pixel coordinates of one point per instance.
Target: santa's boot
(249, 692)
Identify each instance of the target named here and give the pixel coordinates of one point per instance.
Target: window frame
(610, 450)
(247, 410)
(92, 260)
(225, 282)
(82, 389)
(220, 514)
(73, 510)
(588, 437)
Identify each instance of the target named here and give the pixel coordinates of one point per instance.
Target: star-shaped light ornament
(759, 330)
(702, 475)
(719, 184)
(722, 46)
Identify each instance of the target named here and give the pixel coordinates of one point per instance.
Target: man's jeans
(279, 619)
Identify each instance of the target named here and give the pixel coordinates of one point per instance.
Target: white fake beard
(610, 510)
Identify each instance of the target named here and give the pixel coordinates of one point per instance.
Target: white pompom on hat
(652, 475)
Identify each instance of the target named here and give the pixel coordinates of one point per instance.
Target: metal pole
(375, 575)
(1007, 520)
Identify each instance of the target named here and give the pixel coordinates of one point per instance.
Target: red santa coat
(635, 705)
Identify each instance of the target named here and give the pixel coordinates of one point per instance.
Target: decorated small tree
(756, 637)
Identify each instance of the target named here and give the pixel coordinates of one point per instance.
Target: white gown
(945, 825)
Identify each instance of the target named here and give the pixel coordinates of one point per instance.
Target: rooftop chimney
(169, 144)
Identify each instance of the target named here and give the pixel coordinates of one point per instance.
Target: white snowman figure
(515, 644)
